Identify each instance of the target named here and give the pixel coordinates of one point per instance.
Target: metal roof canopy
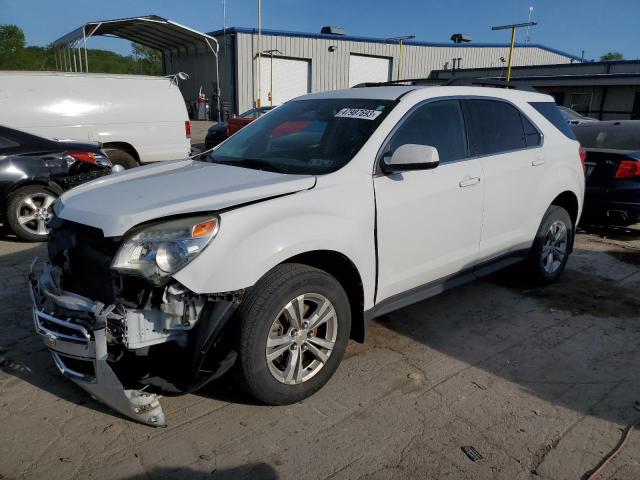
(151, 31)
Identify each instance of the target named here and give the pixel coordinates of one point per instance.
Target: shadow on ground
(251, 471)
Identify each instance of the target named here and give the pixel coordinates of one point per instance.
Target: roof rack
(487, 82)
(469, 82)
(401, 82)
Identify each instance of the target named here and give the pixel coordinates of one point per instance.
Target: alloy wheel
(554, 248)
(301, 338)
(34, 211)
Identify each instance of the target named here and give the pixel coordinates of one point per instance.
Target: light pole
(270, 53)
(513, 40)
(400, 41)
(530, 12)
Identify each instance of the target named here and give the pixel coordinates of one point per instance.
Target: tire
(551, 247)
(33, 202)
(263, 315)
(120, 157)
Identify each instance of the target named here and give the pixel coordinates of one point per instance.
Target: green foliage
(14, 55)
(611, 57)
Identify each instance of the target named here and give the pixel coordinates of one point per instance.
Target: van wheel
(294, 328)
(29, 210)
(120, 157)
(551, 247)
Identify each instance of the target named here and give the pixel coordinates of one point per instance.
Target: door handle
(537, 162)
(467, 182)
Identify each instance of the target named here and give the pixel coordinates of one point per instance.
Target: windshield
(306, 136)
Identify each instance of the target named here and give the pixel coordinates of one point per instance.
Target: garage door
(291, 78)
(368, 69)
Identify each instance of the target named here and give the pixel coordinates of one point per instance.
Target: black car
(34, 171)
(612, 171)
(218, 132)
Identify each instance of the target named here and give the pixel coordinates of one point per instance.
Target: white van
(138, 119)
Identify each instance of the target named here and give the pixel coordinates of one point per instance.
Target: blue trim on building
(351, 38)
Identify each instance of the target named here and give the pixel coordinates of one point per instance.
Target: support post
(513, 41)
(259, 53)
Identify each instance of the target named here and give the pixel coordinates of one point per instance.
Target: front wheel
(552, 246)
(294, 328)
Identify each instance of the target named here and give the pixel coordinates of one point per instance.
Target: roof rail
(487, 82)
(460, 81)
(406, 81)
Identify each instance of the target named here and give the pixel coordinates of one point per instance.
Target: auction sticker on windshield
(358, 113)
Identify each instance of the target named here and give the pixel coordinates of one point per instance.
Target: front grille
(89, 255)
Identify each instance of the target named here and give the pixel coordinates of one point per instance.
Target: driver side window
(439, 124)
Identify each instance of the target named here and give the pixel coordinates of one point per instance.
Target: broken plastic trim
(105, 385)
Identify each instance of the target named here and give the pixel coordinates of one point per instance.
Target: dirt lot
(539, 381)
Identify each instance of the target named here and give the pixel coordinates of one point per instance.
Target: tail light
(628, 170)
(583, 158)
(187, 129)
(89, 157)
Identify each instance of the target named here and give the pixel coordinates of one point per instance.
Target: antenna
(224, 25)
(527, 39)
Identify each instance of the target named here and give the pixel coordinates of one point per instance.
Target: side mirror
(411, 157)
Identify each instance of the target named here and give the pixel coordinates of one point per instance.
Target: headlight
(160, 250)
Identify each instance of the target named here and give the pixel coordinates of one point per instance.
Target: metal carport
(152, 31)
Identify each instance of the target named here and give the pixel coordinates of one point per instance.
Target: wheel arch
(125, 147)
(346, 273)
(569, 201)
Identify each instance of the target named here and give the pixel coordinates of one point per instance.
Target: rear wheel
(28, 211)
(120, 157)
(294, 328)
(552, 246)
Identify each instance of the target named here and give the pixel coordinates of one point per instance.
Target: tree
(148, 60)
(12, 43)
(611, 57)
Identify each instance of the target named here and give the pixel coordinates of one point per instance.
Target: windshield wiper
(254, 163)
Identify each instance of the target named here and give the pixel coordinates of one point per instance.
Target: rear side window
(551, 112)
(532, 136)
(496, 127)
(439, 124)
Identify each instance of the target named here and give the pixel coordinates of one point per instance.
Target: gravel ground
(539, 381)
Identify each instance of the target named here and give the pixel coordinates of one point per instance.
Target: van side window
(439, 124)
(494, 127)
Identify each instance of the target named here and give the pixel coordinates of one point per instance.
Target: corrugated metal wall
(330, 70)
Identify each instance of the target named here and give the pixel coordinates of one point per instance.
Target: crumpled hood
(118, 202)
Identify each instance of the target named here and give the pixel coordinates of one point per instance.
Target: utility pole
(259, 53)
(270, 53)
(400, 41)
(513, 28)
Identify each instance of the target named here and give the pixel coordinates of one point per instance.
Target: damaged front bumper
(74, 328)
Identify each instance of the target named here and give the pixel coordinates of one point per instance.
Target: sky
(595, 26)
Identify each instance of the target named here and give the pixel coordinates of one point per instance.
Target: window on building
(581, 102)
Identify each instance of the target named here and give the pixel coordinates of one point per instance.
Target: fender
(255, 238)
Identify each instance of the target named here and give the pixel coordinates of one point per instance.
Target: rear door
(428, 221)
(506, 143)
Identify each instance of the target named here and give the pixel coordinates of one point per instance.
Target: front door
(429, 221)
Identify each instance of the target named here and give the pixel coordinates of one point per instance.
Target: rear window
(616, 136)
(551, 112)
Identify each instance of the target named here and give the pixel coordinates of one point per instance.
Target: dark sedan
(34, 171)
(612, 171)
(221, 131)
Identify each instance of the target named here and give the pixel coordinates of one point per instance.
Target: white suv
(267, 257)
